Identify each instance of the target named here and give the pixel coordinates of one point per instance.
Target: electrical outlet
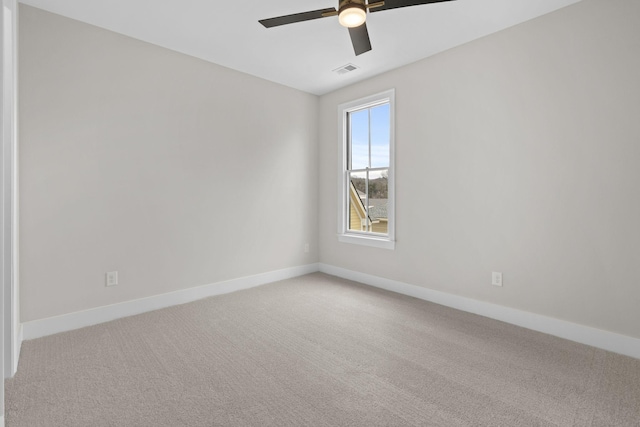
(306, 248)
(496, 279)
(112, 278)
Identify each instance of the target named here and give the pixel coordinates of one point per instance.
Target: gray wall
(173, 171)
(519, 153)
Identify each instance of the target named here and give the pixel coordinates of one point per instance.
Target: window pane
(367, 151)
(357, 214)
(359, 139)
(380, 134)
(378, 200)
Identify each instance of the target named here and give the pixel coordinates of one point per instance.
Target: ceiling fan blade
(296, 17)
(360, 39)
(394, 4)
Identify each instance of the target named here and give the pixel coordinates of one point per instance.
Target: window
(366, 176)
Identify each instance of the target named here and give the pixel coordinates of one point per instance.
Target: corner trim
(605, 340)
(67, 322)
(19, 340)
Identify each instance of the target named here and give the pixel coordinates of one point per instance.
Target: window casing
(366, 178)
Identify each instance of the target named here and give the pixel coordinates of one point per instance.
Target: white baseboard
(67, 322)
(605, 340)
(610, 341)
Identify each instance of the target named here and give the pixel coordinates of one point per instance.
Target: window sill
(374, 242)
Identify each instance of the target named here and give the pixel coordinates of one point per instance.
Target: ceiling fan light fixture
(352, 16)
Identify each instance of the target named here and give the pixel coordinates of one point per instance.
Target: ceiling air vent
(345, 69)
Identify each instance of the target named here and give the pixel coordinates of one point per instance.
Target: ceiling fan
(351, 14)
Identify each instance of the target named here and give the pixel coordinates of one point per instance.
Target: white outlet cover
(496, 279)
(111, 278)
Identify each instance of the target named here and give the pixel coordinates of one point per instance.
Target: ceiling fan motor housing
(345, 4)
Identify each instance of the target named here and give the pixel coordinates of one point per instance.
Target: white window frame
(344, 234)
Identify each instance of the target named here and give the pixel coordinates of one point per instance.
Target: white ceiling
(300, 55)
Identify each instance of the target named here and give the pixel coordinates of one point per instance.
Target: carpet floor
(317, 351)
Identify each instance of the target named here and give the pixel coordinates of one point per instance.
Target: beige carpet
(317, 351)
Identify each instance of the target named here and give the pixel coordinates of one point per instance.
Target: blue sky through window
(380, 128)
